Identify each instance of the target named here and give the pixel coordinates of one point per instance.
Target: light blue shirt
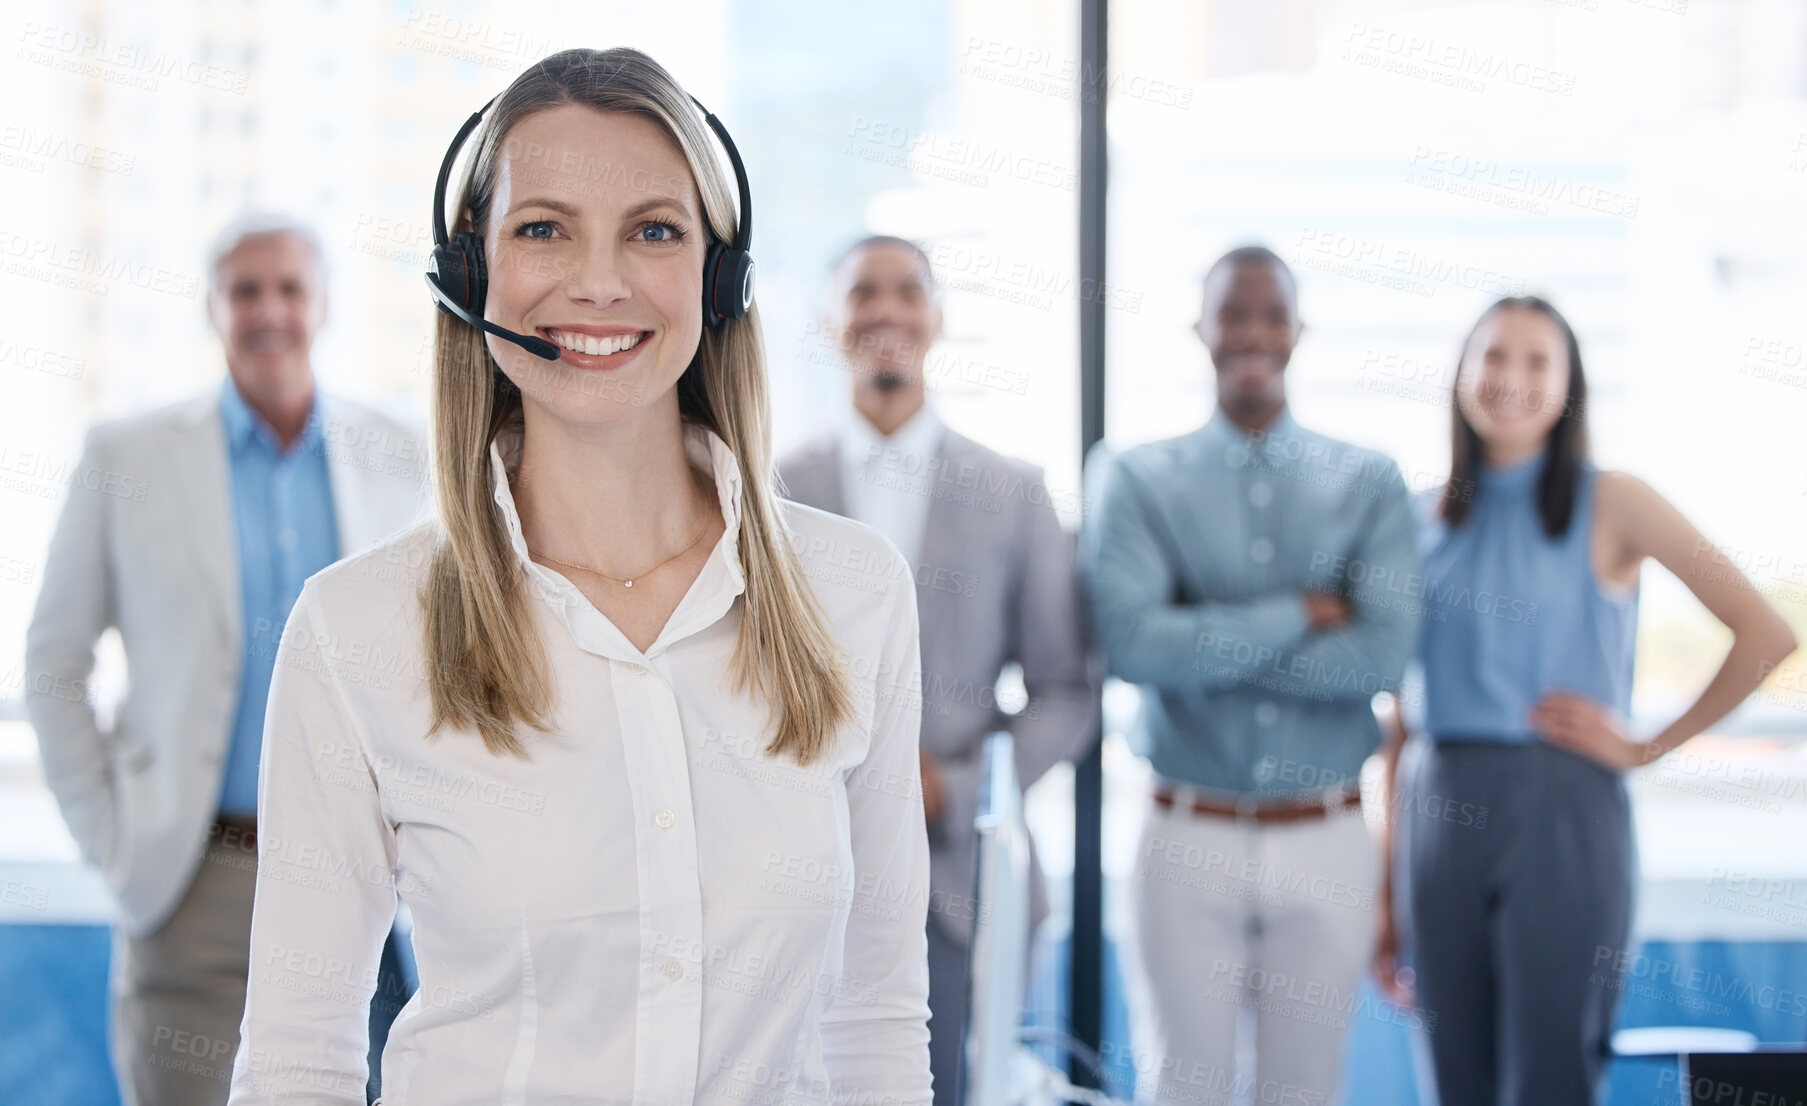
(1512, 613)
(282, 511)
(1197, 552)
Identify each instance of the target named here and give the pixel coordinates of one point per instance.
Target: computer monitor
(990, 1074)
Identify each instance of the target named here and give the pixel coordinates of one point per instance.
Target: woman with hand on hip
(1516, 863)
(634, 739)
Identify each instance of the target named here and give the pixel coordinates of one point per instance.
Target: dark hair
(1564, 453)
(871, 240)
(1243, 255)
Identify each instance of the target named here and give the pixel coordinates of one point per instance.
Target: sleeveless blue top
(1511, 613)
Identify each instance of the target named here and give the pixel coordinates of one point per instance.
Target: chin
(1515, 435)
(279, 370)
(1252, 404)
(595, 399)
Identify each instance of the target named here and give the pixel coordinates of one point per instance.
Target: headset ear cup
(457, 268)
(727, 283)
(711, 276)
(476, 273)
(446, 271)
(734, 281)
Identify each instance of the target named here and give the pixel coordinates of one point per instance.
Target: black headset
(458, 278)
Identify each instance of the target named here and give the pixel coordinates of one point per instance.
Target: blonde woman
(634, 739)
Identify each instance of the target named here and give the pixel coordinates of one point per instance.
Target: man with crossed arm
(1251, 576)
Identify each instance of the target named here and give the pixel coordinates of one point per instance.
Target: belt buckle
(1182, 800)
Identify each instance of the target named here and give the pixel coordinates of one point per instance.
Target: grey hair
(259, 224)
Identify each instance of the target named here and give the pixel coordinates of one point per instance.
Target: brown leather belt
(1271, 812)
(243, 827)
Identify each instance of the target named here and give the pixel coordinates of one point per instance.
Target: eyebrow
(556, 205)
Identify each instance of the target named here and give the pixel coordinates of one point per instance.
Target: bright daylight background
(1643, 163)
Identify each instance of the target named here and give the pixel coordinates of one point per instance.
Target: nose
(268, 310)
(597, 278)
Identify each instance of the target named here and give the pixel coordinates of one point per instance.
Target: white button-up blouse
(648, 909)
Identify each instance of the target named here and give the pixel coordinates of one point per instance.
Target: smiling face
(1514, 380)
(595, 242)
(267, 306)
(1249, 322)
(885, 313)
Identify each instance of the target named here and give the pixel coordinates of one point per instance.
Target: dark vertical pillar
(1086, 994)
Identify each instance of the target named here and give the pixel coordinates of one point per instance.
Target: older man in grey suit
(995, 584)
(191, 532)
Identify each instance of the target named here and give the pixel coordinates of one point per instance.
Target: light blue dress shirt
(1512, 613)
(282, 512)
(1197, 552)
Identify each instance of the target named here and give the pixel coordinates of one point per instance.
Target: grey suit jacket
(145, 544)
(995, 584)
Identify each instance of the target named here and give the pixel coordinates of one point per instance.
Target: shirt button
(664, 819)
(638, 670)
(1266, 714)
(673, 970)
(288, 539)
(1261, 493)
(1262, 551)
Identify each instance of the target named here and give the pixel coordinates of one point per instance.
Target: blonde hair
(486, 665)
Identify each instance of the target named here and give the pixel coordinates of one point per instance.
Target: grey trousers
(948, 963)
(178, 994)
(1514, 895)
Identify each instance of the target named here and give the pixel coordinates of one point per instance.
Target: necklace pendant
(629, 583)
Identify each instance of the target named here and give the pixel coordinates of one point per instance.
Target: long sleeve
(315, 937)
(1131, 580)
(1369, 654)
(875, 1039)
(1048, 640)
(74, 607)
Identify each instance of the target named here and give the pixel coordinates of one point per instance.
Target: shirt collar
(1268, 445)
(243, 425)
(919, 436)
(1219, 428)
(702, 447)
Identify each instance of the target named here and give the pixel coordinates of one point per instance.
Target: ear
(217, 315)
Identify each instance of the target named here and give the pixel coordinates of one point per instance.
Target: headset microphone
(540, 346)
(458, 275)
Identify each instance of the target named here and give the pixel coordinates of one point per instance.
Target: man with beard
(995, 585)
(1253, 577)
(190, 531)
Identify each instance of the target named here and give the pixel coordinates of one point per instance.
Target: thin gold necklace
(623, 580)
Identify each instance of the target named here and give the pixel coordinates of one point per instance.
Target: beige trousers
(1251, 943)
(178, 994)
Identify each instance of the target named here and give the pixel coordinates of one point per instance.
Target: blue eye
(661, 232)
(533, 229)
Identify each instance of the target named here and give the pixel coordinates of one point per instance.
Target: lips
(595, 341)
(1252, 362)
(268, 341)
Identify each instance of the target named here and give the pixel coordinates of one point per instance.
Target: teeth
(594, 346)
